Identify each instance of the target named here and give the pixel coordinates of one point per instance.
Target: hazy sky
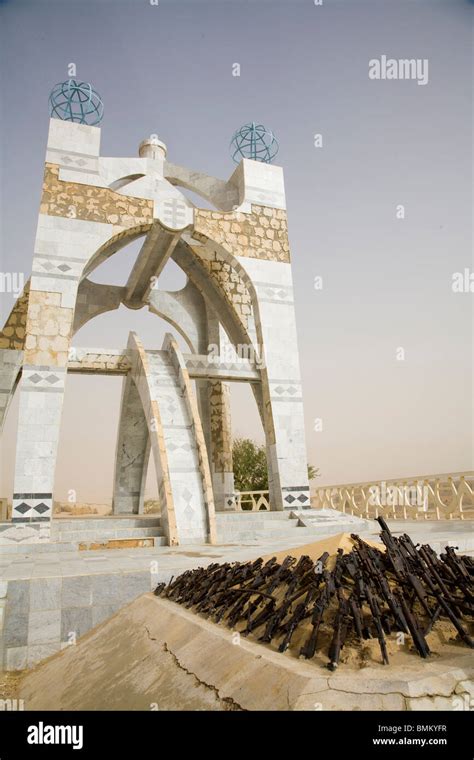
(387, 282)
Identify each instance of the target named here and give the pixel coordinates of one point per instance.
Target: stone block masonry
(42, 615)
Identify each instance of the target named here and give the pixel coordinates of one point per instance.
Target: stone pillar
(220, 423)
(77, 219)
(62, 248)
(42, 385)
(256, 237)
(221, 445)
(132, 453)
(282, 399)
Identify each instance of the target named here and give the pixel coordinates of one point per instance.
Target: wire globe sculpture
(254, 141)
(76, 101)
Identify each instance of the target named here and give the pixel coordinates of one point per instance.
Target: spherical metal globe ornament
(254, 141)
(76, 101)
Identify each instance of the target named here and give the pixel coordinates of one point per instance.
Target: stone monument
(235, 314)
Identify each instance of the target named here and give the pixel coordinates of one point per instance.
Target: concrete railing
(252, 501)
(434, 497)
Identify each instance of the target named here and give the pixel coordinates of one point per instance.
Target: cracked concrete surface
(226, 700)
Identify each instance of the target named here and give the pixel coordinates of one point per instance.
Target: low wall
(40, 616)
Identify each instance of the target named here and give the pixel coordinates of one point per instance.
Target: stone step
(231, 517)
(235, 527)
(96, 534)
(326, 529)
(254, 535)
(74, 546)
(125, 542)
(61, 525)
(260, 527)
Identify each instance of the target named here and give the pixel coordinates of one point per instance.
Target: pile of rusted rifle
(367, 594)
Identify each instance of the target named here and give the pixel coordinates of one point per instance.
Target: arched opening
(91, 415)
(88, 437)
(111, 330)
(123, 181)
(116, 269)
(172, 277)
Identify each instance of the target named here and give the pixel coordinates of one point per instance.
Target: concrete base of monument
(48, 593)
(156, 655)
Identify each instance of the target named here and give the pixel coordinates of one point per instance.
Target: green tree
(313, 472)
(250, 466)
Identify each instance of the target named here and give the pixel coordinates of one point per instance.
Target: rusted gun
(261, 618)
(393, 551)
(426, 553)
(299, 614)
(274, 621)
(356, 616)
(265, 593)
(258, 589)
(430, 576)
(364, 560)
(416, 633)
(342, 625)
(322, 602)
(460, 572)
(375, 610)
(282, 573)
(425, 560)
(303, 567)
(448, 609)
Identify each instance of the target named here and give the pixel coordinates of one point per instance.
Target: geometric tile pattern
(73, 160)
(269, 293)
(32, 507)
(285, 391)
(296, 497)
(15, 533)
(52, 268)
(230, 501)
(173, 446)
(43, 378)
